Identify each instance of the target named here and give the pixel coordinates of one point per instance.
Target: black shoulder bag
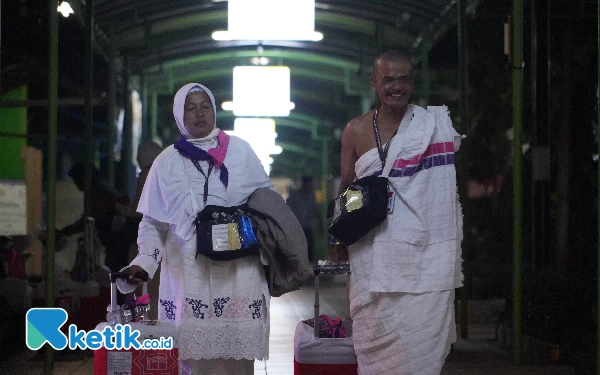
(363, 205)
(223, 233)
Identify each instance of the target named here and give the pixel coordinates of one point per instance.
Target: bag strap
(194, 201)
(383, 151)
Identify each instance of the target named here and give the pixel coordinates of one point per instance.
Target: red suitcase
(136, 362)
(323, 356)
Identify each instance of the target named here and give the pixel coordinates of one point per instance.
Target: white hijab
(179, 106)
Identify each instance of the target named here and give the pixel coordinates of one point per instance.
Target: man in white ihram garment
(221, 308)
(404, 271)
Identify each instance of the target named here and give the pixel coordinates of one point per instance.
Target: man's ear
(373, 85)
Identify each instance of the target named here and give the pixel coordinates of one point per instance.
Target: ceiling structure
(169, 43)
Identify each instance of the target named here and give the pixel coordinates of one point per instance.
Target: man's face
(198, 115)
(394, 82)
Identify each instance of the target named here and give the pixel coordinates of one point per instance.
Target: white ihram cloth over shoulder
(405, 270)
(221, 309)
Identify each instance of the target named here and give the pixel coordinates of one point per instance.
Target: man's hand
(338, 254)
(137, 275)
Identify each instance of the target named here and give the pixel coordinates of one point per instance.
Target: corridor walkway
(478, 356)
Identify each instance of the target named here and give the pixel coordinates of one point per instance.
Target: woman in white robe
(221, 308)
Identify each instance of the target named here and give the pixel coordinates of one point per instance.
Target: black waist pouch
(226, 233)
(358, 209)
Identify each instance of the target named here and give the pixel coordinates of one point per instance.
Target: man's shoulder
(361, 122)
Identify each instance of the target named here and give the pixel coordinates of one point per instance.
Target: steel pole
(51, 171)
(127, 135)
(598, 208)
(517, 68)
(112, 104)
(153, 116)
(0, 48)
(88, 83)
(144, 99)
(463, 78)
(540, 246)
(324, 237)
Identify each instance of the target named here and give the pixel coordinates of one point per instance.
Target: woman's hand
(137, 275)
(338, 254)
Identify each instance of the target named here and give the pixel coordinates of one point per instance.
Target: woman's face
(198, 115)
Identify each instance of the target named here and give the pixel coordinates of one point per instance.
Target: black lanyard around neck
(383, 151)
(206, 176)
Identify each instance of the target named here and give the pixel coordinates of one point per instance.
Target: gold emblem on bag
(354, 200)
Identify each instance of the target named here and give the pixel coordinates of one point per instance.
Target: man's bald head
(391, 55)
(393, 78)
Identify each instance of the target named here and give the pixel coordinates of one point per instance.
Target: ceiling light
(276, 150)
(221, 35)
(65, 9)
(230, 106)
(271, 19)
(260, 134)
(317, 36)
(261, 91)
(227, 106)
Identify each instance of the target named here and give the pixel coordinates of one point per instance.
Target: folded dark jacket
(282, 241)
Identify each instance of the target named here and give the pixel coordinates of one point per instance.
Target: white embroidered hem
(224, 342)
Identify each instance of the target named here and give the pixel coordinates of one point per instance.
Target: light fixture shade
(261, 91)
(260, 134)
(271, 19)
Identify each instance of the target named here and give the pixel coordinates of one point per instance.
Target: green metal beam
(323, 238)
(350, 85)
(299, 150)
(153, 116)
(51, 171)
(302, 57)
(136, 36)
(306, 95)
(294, 120)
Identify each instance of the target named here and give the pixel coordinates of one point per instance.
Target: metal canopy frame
(169, 43)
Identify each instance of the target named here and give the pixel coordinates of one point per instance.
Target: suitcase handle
(330, 269)
(118, 275)
(114, 276)
(143, 275)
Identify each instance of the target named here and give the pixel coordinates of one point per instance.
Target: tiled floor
(477, 356)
